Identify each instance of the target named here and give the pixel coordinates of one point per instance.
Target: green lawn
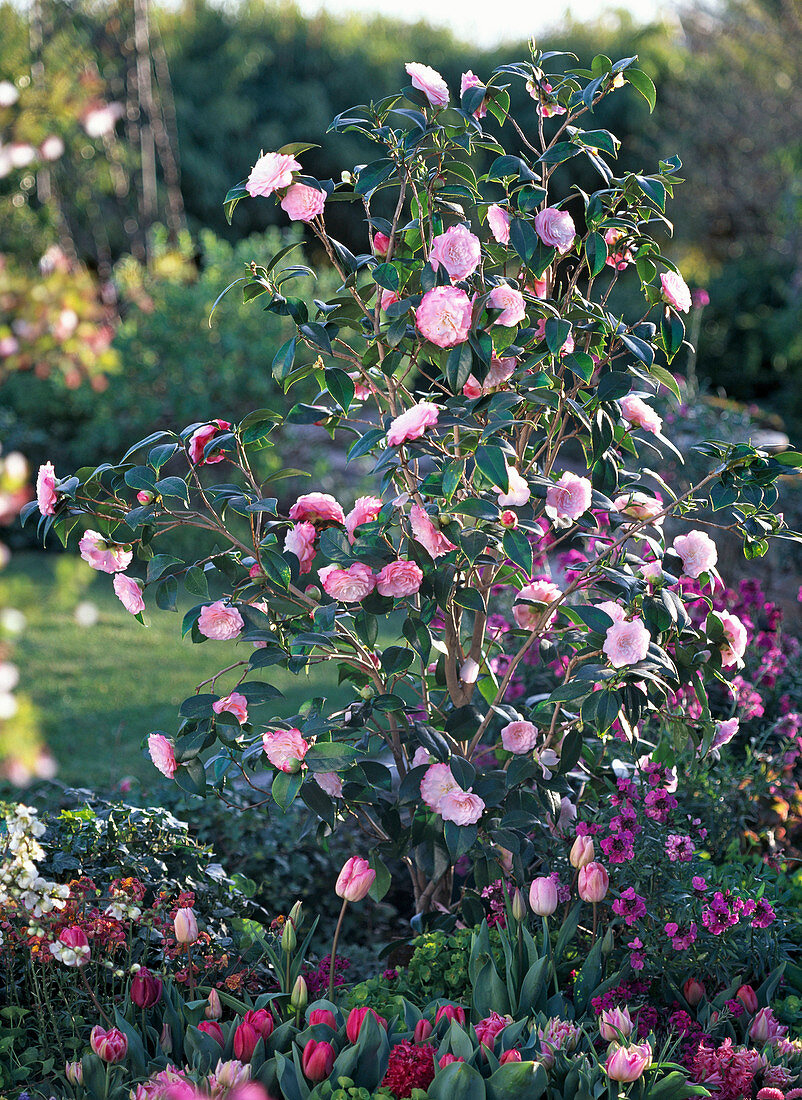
(100, 689)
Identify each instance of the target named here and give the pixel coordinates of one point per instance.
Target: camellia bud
(74, 1072)
(289, 940)
(144, 497)
(582, 852)
(543, 896)
(317, 1060)
(693, 991)
(423, 1030)
(355, 879)
(518, 906)
(213, 1010)
(186, 927)
(508, 519)
(300, 995)
(593, 884)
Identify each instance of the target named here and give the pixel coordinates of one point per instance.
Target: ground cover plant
(470, 354)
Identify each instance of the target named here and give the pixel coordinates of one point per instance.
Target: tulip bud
(317, 1060)
(582, 852)
(245, 1039)
(289, 941)
(543, 896)
(510, 1056)
(110, 1046)
(213, 1010)
(299, 996)
(356, 1018)
(593, 882)
(146, 990)
(211, 1027)
(615, 1023)
(229, 1075)
(763, 1027)
(166, 1039)
(518, 906)
(450, 1012)
(748, 998)
(628, 1063)
(693, 991)
(322, 1016)
(74, 1072)
(608, 943)
(423, 1030)
(295, 915)
(355, 879)
(186, 927)
(448, 1059)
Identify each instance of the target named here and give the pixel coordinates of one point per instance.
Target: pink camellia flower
(199, 439)
(412, 423)
(617, 257)
(615, 1023)
(734, 645)
(302, 203)
(569, 498)
(429, 81)
(518, 491)
(381, 242)
(472, 388)
(399, 578)
(628, 1063)
(582, 852)
(129, 593)
(110, 1046)
(272, 172)
(72, 947)
(568, 343)
(220, 622)
(357, 1017)
(616, 612)
(235, 704)
(433, 541)
(322, 1016)
(461, 807)
(593, 882)
(543, 896)
(46, 495)
(640, 415)
(444, 316)
(490, 1028)
(638, 505)
(347, 585)
(501, 370)
(499, 221)
(317, 1060)
(365, 510)
(539, 289)
(471, 80)
(185, 925)
(436, 784)
(162, 754)
(300, 540)
(698, 552)
(106, 557)
(556, 228)
(675, 291)
(529, 615)
(626, 643)
(318, 508)
(285, 749)
(329, 782)
(511, 303)
(355, 879)
(451, 1012)
(519, 737)
(458, 251)
(388, 298)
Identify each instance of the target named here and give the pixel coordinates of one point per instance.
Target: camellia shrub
(470, 354)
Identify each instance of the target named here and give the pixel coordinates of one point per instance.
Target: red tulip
(447, 1059)
(510, 1056)
(211, 1027)
(356, 1017)
(450, 1012)
(748, 998)
(322, 1016)
(146, 990)
(317, 1060)
(423, 1030)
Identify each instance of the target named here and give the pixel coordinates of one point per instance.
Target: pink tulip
(450, 1012)
(748, 998)
(593, 882)
(510, 1056)
(582, 852)
(186, 927)
(356, 1018)
(355, 879)
(317, 1060)
(111, 1046)
(543, 896)
(615, 1022)
(213, 1010)
(211, 1027)
(322, 1016)
(448, 1059)
(423, 1029)
(694, 991)
(628, 1063)
(146, 990)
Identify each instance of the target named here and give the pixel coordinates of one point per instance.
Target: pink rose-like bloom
(640, 415)
(593, 882)
(235, 704)
(220, 622)
(399, 578)
(329, 782)
(285, 749)
(347, 585)
(461, 807)
(412, 423)
(698, 552)
(199, 439)
(387, 299)
(355, 879)
(433, 541)
(472, 388)
(616, 257)
(675, 291)
(567, 344)
(272, 172)
(569, 498)
(457, 250)
(543, 896)
(518, 491)
(162, 755)
(106, 557)
(499, 221)
(626, 643)
(638, 505)
(511, 303)
(300, 540)
(444, 316)
(519, 737)
(734, 646)
(436, 784)
(616, 612)
(490, 1028)
(429, 81)
(471, 80)
(110, 1046)
(628, 1063)
(317, 508)
(365, 510)
(46, 495)
(381, 242)
(529, 617)
(615, 1022)
(129, 593)
(556, 228)
(302, 203)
